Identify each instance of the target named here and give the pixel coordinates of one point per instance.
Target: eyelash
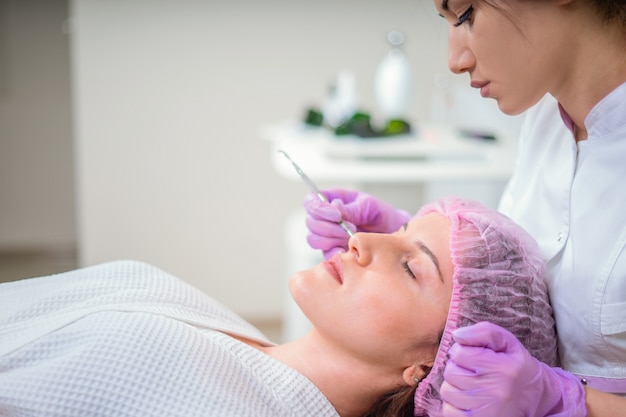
(464, 17)
(405, 264)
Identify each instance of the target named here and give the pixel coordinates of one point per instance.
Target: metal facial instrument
(314, 188)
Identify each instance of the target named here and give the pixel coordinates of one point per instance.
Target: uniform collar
(607, 116)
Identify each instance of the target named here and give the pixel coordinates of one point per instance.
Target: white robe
(127, 339)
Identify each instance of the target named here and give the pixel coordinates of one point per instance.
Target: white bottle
(392, 85)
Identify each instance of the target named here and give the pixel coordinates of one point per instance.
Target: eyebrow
(444, 5)
(421, 246)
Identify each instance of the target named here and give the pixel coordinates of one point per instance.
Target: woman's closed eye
(465, 17)
(407, 268)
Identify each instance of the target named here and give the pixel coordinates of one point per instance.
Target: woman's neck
(597, 66)
(350, 385)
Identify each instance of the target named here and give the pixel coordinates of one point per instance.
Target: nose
(360, 246)
(365, 247)
(460, 57)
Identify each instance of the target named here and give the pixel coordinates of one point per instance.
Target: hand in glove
(490, 373)
(361, 212)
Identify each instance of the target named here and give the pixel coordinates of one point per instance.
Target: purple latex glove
(361, 212)
(490, 373)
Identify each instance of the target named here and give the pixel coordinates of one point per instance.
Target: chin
(300, 289)
(520, 103)
(509, 110)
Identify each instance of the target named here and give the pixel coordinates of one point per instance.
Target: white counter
(432, 154)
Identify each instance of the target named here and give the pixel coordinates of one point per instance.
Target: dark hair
(611, 10)
(397, 403)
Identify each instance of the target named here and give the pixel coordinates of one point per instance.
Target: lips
(483, 86)
(479, 84)
(334, 268)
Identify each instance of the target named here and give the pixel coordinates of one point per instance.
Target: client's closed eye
(407, 268)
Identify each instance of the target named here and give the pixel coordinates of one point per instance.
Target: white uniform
(572, 198)
(127, 339)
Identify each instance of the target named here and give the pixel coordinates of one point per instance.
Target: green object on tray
(314, 117)
(396, 127)
(360, 124)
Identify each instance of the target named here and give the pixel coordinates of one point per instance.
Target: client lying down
(127, 339)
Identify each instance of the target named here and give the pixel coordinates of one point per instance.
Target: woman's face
(515, 51)
(387, 297)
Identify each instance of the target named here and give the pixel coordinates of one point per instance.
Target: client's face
(387, 297)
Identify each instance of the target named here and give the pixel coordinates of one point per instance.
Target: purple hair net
(499, 276)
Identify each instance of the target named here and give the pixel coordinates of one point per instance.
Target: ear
(416, 372)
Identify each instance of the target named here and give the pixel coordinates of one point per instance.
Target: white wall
(169, 98)
(36, 154)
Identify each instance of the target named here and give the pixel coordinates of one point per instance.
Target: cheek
(389, 314)
(376, 311)
(433, 312)
(497, 44)
(497, 58)
(406, 326)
